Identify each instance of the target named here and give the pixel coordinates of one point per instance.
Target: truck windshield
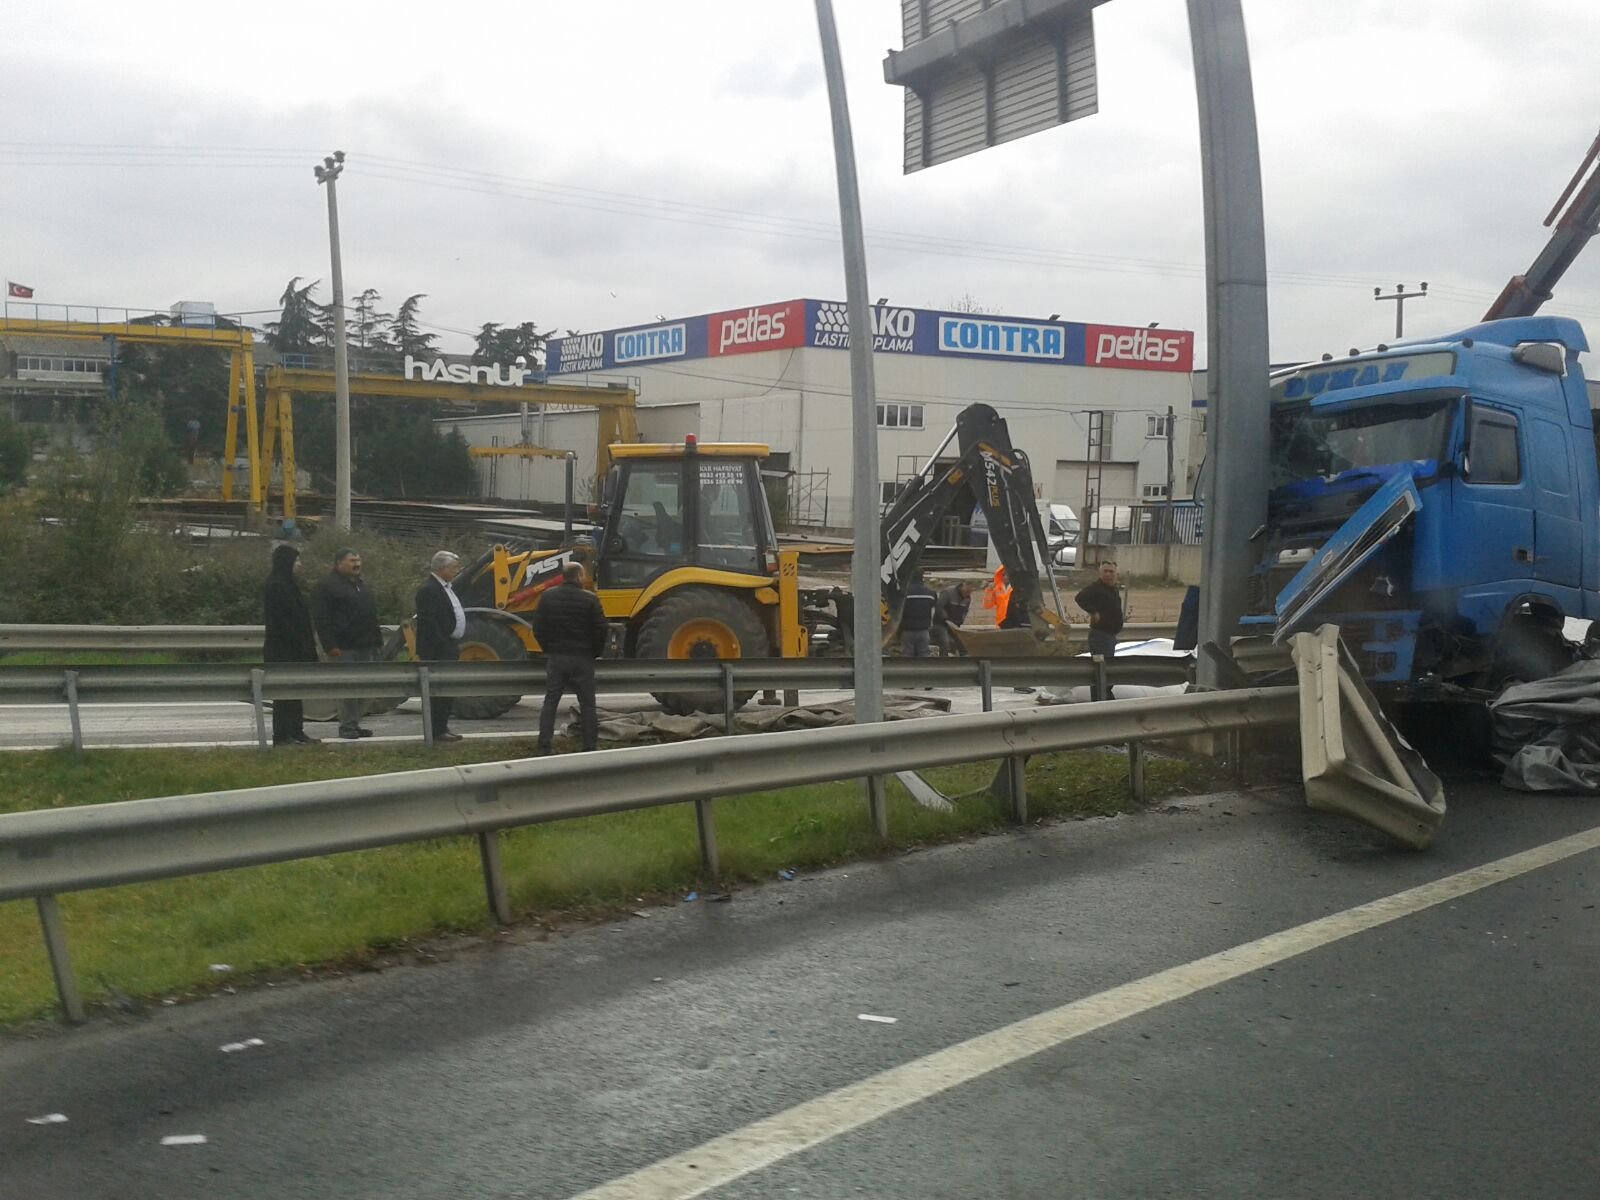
(1308, 442)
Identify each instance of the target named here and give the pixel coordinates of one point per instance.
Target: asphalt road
(1452, 1051)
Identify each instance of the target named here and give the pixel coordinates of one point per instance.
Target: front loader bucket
(989, 642)
(1352, 759)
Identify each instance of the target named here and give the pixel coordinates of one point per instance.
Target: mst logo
(745, 331)
(899, 552)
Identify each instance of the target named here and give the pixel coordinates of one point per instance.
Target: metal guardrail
(48, 852)
(397, 681)
(247, 638)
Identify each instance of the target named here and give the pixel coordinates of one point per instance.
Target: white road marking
(744, 1151)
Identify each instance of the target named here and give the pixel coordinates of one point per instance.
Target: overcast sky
(590, 165)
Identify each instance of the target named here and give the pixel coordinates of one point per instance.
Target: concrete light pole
(328, 172)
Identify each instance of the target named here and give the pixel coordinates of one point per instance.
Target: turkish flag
(19, 291)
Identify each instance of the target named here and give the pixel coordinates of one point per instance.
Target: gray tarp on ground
(1547, 733)
(622, 727)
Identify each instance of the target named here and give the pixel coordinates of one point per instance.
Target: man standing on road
(950, 611)
(571, 628)
(288, 638)
(347, 625)
(1103, 602)
(440, 623)
(916, 619)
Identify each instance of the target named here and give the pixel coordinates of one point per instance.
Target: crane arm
(1525, 294)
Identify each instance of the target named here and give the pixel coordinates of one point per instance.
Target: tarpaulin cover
(1547, 733)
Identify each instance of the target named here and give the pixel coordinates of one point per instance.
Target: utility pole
(866, 556)
(1400, 297)
(1166, 547)
(328, 172)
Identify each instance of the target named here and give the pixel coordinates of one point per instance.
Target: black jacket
(346, 614)
(1105, 601)
(283, 609)
(436, 623)
(570, 621)
(916, 610)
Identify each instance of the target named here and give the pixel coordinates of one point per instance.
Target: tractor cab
(669, 506)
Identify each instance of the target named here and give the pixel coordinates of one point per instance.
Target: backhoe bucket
(989, 642)
(1353, 761)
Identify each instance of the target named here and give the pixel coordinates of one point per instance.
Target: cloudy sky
(590, 165)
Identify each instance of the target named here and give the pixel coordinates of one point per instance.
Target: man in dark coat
(916, 619)
(571, 628)
(346, 617)
(1103, 602)
(950, 611)
(440, 623)
(288, 638)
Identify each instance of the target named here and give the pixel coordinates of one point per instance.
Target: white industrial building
(780, 374)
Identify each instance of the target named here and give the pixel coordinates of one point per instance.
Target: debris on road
(235, 1047)
(184, 1139)
(787, 873)
(49, 1119)
(879, 1020)
(221, 968)
(691, 897)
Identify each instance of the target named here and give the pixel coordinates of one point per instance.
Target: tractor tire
(394, 650)
(487, 640)
(701, 622)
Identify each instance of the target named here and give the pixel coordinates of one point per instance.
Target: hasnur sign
(438, 371)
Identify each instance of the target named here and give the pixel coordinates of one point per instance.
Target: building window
(1202, 419)
(60, 366)
(1155, 427)
(900, 416)
(1155, 491)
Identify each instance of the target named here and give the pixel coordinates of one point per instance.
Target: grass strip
(159, 939)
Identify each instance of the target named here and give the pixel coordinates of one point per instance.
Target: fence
(46, 853)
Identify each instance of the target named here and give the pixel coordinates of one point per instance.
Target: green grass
(92, 658)
(159, 939)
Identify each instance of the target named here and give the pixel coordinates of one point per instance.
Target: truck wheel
(487, 641)
(705, 623)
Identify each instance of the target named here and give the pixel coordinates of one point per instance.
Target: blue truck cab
(1439, 500)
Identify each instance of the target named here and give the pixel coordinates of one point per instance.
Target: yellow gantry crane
(269, 436)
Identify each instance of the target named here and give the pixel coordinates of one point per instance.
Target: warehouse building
(1071, 392)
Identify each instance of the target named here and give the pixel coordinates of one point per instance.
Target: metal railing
(45, 853)
(397, 681)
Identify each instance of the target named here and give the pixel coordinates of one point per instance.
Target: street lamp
(328, 172)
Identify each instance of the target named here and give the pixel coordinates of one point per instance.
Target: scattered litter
(720, 897)
(1014, 983)
(184, 1139)
(658, 979)
(786, 873)
(49, 1119)
(691, 897)
(234, 1047)
(169, 1001)
(221, 968)
(879, 1020)
(641, 914)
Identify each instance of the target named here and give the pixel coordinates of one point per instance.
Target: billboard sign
(1139, 349)
(752, 330)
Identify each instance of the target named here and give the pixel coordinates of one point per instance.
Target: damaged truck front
(1438, 501)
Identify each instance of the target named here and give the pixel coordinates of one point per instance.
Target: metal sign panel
(981, 72)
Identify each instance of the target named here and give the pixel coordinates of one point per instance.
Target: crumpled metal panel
(1353, 761)
(1547, 732)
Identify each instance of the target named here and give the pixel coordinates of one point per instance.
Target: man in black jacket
(1103, 602)
(949, 612)
(440, 623)
(571, 628)
(916, 619)
(288, 638)
(346, 616)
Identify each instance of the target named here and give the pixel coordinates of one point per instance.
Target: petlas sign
(1139, 349)
(751, 330)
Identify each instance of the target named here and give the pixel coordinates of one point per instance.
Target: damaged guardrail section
(49, 852)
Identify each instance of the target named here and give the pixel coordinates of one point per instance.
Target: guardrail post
(1102, 684)
(791, 697)
(986, 683)
(259, 703)
(1136, 772)
(1236, 755)
(425, 690)
(55, 943)
(728, 701)
(73, 715)
(494, 876)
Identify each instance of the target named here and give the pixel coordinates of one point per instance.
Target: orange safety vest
(998, 596)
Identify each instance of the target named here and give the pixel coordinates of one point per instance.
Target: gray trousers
(915, 643)
(351, 711)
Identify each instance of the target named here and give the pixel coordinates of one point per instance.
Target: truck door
(1557, 532)
(1493, 541)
